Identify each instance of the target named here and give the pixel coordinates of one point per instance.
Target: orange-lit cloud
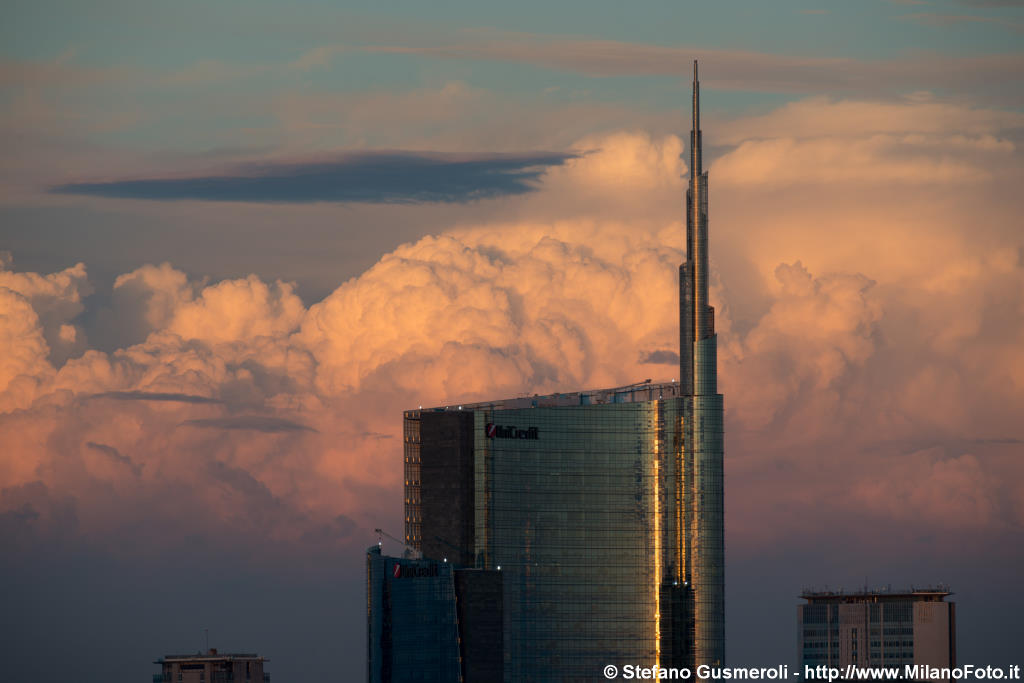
(870, 322)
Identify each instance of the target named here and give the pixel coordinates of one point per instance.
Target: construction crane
(410, 552)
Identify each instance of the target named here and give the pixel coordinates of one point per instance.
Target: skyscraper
(602, 510)
(703, 565)
(574, 499)
(430, 621)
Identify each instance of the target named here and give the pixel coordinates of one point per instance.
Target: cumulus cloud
(838, 342)
(916, 141)
(144, 300)
(816, 332)
(879, 159)
(56, 299)
(521, 306)
(956, 491)
(238, 309)
(25, 349)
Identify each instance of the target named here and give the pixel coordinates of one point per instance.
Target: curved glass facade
(585, 503)
(706, 537)
(580, 523)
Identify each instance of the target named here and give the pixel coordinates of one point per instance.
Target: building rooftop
(934, 593)
(211, 655)
(631, 393)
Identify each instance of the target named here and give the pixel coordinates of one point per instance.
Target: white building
(877, 628)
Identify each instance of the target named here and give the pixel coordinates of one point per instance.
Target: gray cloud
(993, 3)
(1000, 440)
(936, 19)
(116, 456)
(259, 423)
(22, 516)
(330, 533)
(393, 177)
(660, 357)
(243, 482)
(155, 396)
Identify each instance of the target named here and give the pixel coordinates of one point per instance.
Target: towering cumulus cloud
(841, 353)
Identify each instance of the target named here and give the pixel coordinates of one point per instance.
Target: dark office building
(430, 622)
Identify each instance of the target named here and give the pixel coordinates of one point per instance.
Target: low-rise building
(212, 667)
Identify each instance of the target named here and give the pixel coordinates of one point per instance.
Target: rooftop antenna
(207, 631)
(410, 552)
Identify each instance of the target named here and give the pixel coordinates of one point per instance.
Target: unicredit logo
(411, 572)
(494, 431)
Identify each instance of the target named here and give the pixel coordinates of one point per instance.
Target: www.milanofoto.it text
(918, 672)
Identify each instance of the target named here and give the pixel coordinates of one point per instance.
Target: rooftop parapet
(631, 393)
(935, 592)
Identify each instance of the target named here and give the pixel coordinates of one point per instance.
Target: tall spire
(695, 141)
(696, 116)
(702, 464)
(697, 318)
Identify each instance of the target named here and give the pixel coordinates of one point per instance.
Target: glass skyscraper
(431, 622)
(703, 416)
(410, 609)
(601, 510)
(575, 499)
(578, 520)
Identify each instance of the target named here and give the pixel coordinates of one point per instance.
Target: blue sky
(141, 58)
(169, 36)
